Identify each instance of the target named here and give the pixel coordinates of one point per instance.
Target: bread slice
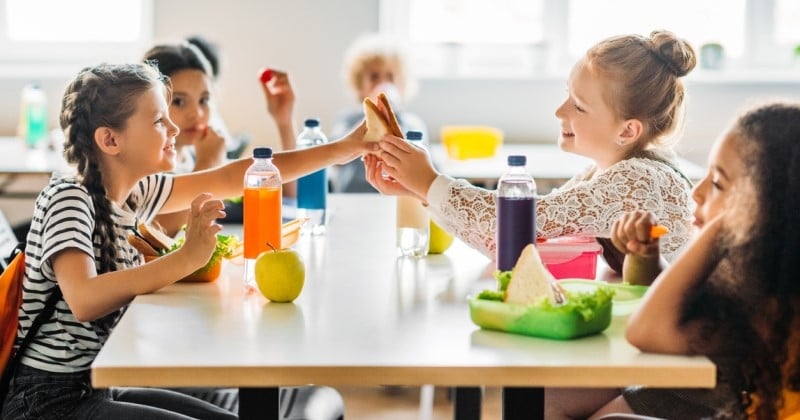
(142, 246)
(154, 234)
(379, 123)
(530, 279)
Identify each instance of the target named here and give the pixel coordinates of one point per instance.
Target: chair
(8, 241)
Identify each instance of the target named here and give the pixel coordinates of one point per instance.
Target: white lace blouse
(586, 205)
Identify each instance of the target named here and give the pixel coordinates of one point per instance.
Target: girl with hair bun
(623, 110)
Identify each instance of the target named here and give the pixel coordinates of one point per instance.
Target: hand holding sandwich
(201, 231)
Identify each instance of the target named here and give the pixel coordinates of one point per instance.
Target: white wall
(307, 37)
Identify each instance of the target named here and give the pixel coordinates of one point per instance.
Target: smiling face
(725, 178)
(147, 142)
(589, 127)
(189, 109)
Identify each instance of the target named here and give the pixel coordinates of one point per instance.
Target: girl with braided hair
(120, 138)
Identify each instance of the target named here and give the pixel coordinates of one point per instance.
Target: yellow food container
(471, 142)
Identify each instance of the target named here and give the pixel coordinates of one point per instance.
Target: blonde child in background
(625, 99)
(121, 139)
(374, 64)
(733, 294)
(201, 144)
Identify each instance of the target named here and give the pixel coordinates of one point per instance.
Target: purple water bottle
(516, 212)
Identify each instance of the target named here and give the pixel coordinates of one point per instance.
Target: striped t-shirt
(63, 218)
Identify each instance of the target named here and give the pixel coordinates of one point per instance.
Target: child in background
(374, 64)
(735, 286)
(122, 141)
(201, 144)
(625, 98)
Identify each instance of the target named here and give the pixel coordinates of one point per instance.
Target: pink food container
(570, 257)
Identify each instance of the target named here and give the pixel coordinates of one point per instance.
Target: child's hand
(355, 144)
(209, 150)
(630, 234)
(388, 186)
(201, 229)
(279, 95)
(407, 164)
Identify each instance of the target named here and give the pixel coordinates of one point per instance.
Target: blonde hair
(644, 82)
(372, 48)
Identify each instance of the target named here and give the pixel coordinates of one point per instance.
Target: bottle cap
(312, 122)
(517, 160)
(262, 152)
(413, 135)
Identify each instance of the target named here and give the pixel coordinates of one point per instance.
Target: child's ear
(631, 132)
(105, 139)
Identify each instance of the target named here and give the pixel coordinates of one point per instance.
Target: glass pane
(73, 20)
(475, 21)
(697, 21)
(787, 22)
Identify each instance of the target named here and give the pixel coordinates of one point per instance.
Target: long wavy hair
(101, 96)
(747, 307)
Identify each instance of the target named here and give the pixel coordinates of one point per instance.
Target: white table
(365, 317)
(17, 160)
(549, 165)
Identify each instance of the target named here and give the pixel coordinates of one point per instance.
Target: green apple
(280, 274)
(440, 240)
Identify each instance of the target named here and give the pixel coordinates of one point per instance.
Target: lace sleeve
(579, 208)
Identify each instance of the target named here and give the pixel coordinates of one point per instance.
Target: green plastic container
(627, 297)
(560, 323)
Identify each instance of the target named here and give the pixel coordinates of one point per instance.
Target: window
(539, 38)
(40, 38)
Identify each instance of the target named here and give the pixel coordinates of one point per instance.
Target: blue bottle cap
(517, 160)
(262, 152)
(413, 135)
(312, 122)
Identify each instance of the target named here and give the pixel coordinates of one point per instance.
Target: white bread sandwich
(380, 121)
(531, 281)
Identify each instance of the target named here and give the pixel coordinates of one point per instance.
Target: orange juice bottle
(262, 211)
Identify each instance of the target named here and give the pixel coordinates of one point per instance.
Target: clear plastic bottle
(262, 211)
(33, 116)
(312, 189)
(516, 212)
(413, 220)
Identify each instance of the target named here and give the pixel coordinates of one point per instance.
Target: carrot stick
(658, 231)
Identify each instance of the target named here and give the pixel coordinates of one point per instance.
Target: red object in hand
(266, 74)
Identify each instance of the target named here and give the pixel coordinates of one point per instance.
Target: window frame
(761, 60)
(36, 59)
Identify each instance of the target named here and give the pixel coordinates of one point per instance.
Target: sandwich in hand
(153, 242)
(380, 119)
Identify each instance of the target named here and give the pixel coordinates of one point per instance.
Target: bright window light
(475, 21)
(697, 21)
(787, 22)
(96, 21)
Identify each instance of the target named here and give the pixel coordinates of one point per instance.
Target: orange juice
(262, 220)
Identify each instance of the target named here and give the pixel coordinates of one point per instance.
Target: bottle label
(516, 228)
(261, 220)
(312, 190)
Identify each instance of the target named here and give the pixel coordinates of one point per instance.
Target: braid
(101, 96)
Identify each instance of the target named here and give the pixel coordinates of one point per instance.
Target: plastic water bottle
(413, 220)
(516, 212)
(312, 189)
(262, 211)
(33, 116)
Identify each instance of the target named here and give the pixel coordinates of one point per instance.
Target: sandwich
(152, 242)
(531, 281)
(380, 119)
